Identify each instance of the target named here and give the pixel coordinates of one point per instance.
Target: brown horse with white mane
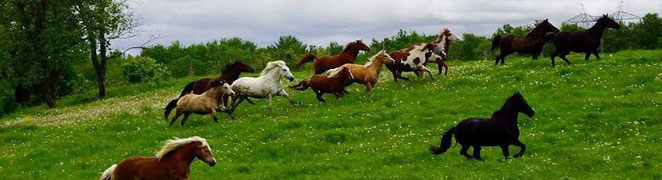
(532, 43)
(324, 63)
(173, 161)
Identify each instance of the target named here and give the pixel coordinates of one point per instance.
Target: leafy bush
(143, 69)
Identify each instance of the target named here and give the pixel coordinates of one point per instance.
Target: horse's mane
(350, 45)
(441, 35)
(506, 106)
(271, 65)
(373, 57)
(175, 143)
(537, 28)
(229, 67)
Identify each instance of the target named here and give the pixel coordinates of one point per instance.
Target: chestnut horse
(586, 42)
(173, 161)
(499, 130)
(411, 59)
(333, 83)
(367, 74)
(532, 43)
(442, 45)
(324, 63)
(229, 74)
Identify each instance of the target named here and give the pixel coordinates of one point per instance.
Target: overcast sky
(319, 22)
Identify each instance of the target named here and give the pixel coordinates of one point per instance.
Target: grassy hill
(594, 119)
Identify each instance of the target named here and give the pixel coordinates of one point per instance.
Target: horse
(443, 43)
(320, 84)
(205, 103)
(587, 41)
(324, 63)
(173, 161)
(229, 73)
(532, 43)
(265, 86)
(413, 59)
(366, 74)
(499, 130)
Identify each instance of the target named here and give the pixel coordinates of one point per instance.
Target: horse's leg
(269, 101)
(464, 150)
(427, 70)
(562, 56)
(319, 96)
(496, 61)
(595, 52)
(368, 86)
(236, 101)
(477, 152)
(588, 55)
(445, 67)
(250, 101)
(284, 94)
(186, 115)
(213, 116)
(552, 56)
(177, 114)
(504, 150)
(522, 148)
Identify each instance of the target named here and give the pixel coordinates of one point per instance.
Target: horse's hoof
(517, 156)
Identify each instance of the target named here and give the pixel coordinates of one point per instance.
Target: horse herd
(333, 73)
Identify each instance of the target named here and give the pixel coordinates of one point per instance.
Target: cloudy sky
(319, 22)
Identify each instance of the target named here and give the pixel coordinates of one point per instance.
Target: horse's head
(224, 87)
(203, 152)
(360, 45)
(608, 22)
(201, 149)
(447, 35)
(382, 57)
(281, 69)
(546, 27)
(521, 105)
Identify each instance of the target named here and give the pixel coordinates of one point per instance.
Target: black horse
(532, 43)
(500, 130)
(587, 41)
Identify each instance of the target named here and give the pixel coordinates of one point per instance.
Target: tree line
(50, 49)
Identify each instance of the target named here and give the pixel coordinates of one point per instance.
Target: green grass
(594, 119)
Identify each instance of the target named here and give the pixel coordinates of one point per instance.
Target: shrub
(143, 69)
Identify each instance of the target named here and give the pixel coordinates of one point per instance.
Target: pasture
(594, 119)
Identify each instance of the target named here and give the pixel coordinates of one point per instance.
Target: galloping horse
(587, 41)
(367, 74)
(205, 103)
(500, 130)
(442, 45)
(413, 59)
(229, 74)
(532, 43)
(324, 63)
(265, 86)
(333, 83)
(173, 161)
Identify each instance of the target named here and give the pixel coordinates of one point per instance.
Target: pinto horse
(587, 41)
(413, 59)
(532, 43)
(173, 161)
(324, 63)
(320, 84)
(366, 74)
(442, 45)
(500, 130)
(229, 74)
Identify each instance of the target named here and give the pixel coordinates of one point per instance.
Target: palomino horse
(324, 63)
(173, 161)
(333, 83)
(265, 86)
(229, 74)
(442, 45)
(531, 44)
(587, 41)
(411, 59)
(367, 74)
(500, 130)
(205, 103)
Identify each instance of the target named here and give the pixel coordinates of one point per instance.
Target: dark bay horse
(532, 43)
(172, 162)
(229, 74)
(324, 63)
(320, 84)
(587, 41)
(499, 130)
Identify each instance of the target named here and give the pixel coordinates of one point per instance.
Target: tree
(103, 20)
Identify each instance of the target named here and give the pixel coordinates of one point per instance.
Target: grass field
(596, 119)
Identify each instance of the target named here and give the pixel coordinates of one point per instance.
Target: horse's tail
(171, 105)
(495, 42)
(445, 142)
(305, 59)
(108, 173)
(303, 85)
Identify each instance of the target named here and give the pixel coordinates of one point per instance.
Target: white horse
(265, 86)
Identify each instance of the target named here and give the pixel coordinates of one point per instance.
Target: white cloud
(319, 22)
